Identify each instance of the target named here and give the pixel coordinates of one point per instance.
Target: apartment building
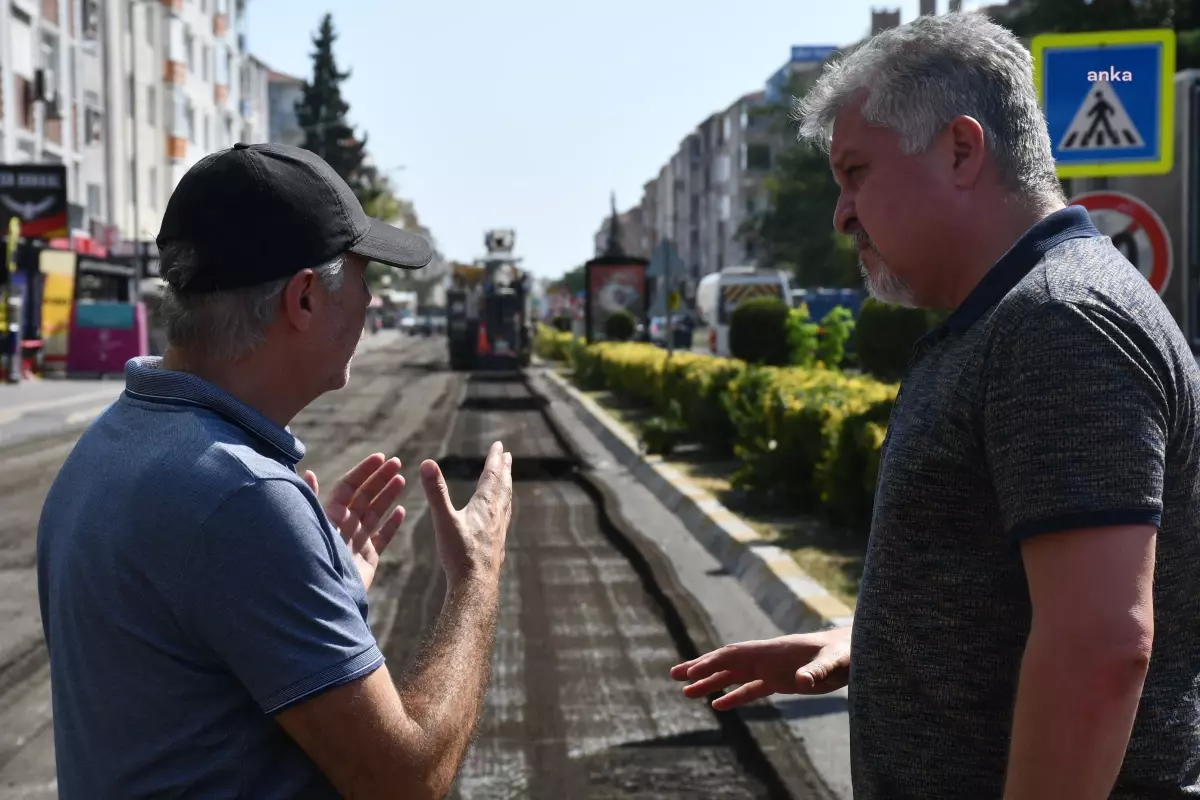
(715, 183)
(51, 59)
(128, 95)
(212, 92)
(284, 91)
(634, 241)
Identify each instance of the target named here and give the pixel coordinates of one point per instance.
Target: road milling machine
(488, 309)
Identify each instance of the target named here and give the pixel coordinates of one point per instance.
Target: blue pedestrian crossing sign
(1109, 100)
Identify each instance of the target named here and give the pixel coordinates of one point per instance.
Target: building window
(207, 135)
(191, 123)
(154, 187)
(133, 195)
(151, 104)
(130, 89)
(150, 38)
(189, 48)
(95, 201)
(758, 157)
(205, 57)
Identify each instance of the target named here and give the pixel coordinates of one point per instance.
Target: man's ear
(300, 298)
(967, 150)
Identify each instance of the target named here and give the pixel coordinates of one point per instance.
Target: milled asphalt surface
(580, 704)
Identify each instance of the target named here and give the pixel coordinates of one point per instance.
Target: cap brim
(394, 247)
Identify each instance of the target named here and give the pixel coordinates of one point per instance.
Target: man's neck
(252, 384)
(987, 244)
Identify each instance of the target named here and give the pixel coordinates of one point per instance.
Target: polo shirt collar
(1071, 222)
(145, 379)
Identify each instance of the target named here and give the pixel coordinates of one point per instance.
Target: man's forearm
(1074, 714)
(443, 691)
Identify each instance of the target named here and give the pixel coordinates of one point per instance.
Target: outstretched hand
(358, 508)
(804, 663)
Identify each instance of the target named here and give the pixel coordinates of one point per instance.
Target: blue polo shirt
(191, 587)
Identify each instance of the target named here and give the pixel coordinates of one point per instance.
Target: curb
(792, 599)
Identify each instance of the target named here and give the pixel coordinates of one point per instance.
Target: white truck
(719, 293)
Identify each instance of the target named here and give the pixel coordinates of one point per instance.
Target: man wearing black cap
(206, 618)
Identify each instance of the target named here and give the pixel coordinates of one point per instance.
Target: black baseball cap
(260, 212)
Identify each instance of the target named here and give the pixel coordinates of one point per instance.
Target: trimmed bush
(809, 438)
(551, 344)
(620, 326)
(758, 332)
(804, 337)
(885, 336)
(850, 487)
(836, 329)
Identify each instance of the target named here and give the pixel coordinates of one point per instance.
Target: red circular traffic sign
(1136, 230)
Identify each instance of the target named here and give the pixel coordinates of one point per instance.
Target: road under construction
(580, 703)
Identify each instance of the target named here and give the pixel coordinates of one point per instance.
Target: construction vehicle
(488, 309)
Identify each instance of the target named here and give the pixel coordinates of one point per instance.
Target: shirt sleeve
(1076, 422)
(269, 597)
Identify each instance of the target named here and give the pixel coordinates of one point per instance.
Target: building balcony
(220, 94)
(175, 73)
(174, 5)
(220, 25)
(177, 148)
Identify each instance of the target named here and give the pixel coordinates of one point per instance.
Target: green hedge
(807, 436)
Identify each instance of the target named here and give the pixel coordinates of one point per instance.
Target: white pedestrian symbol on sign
(1101, 123)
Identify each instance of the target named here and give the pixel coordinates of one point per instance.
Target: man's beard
(885, 285)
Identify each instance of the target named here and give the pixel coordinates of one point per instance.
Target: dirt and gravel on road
(580, 703)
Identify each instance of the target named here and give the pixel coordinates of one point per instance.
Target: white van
(718, 294)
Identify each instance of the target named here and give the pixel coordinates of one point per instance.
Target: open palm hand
(359, 509)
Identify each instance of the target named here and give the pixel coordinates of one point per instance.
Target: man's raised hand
(359, 509)
(471, 540)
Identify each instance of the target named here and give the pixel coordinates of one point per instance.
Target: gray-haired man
(206, 617)
(1026, 625)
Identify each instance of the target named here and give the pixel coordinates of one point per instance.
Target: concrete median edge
(789, 596)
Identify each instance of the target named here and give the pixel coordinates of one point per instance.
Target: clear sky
(528, 113)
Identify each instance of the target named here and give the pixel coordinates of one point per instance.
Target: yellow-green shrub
(808, 436)
(551, 344)
(700, 385)
(633, 371)
(850, 487)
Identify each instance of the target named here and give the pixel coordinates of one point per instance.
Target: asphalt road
(580, 703)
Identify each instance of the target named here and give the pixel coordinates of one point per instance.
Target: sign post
(1135, 230)
(1109, 100)
(12, 320)
(614, 284)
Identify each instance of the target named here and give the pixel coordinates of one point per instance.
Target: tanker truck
(488, 309)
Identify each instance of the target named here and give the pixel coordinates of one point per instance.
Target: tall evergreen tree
(322, 112)
(613, 247)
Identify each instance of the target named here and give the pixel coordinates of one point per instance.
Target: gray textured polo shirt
(191, 588)
(1060, 394)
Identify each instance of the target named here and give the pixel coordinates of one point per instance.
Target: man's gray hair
(223, 325)
(920, 76)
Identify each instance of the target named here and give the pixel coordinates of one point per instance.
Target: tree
(795, 232)
(378, 197)
(1069, 16)
(322, 112)
(613, 247)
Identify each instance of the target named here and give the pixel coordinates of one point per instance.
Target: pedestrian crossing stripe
(737, 292)
(1101, 123)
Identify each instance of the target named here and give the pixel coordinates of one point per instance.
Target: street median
(795, 451)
